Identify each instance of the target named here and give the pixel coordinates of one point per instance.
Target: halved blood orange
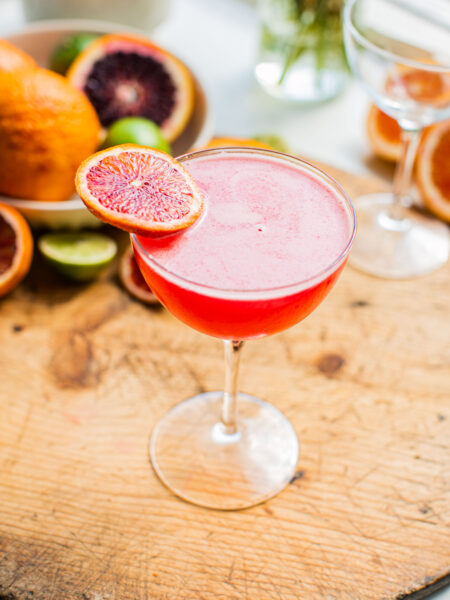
(384, 134)
(12, 59)
(433, 169)
(139, 189)
(126, 75)
(16, 248)
(132, 280)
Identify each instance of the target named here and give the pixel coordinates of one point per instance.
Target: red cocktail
(272, 240)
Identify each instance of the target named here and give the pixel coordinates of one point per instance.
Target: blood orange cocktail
(265, 253)
(273, 237)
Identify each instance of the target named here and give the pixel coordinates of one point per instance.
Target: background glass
(400, 52)
(301, 53)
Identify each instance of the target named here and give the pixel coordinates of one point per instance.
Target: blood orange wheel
(126, 75)
(16, 248)
(139, 189)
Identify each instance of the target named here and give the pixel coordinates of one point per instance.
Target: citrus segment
(433, 169)
(126, 75)
(384, 134)
(132, 279)
(139, 189)
(16, 248)
(80, 256)
(13, 59)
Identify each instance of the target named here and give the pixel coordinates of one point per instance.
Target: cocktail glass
(400, 52)
(203, 450)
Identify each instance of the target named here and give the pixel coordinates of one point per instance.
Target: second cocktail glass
(272, 241)
(400, 52)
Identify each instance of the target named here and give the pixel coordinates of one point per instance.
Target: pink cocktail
(273, 238)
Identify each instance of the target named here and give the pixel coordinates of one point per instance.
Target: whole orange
(47, 127)
(11, 58)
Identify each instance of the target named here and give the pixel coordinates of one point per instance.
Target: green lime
(136, 130)
(66, 52)
(80, 256)
(274, 141)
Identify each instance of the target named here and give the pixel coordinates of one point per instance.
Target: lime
(274, 141)
(80, 256)
(136, 130)
(66, 52)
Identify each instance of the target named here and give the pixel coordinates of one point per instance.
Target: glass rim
(242, 293)
(398, 58)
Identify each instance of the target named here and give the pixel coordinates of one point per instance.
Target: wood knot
(72, 364)
(360, 303)
(297, 475)
(329, 364)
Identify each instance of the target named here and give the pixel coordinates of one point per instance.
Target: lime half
(80, 256)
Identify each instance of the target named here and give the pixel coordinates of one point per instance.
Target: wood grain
(86, 373)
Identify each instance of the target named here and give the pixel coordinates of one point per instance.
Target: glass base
(196, 459)
(396, 248)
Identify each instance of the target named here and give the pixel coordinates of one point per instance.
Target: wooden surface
(86, 373)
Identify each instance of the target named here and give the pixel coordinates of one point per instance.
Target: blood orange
(139, 189)
(433, 169)
(132, 279)
(126, 75)
(384, 134)
(16, 248)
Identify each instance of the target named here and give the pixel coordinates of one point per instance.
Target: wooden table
(86, 373)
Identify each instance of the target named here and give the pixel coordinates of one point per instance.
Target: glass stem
(403, 172)
(232, 356)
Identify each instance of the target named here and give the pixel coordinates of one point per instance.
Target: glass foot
(396, 248)
(196, 459)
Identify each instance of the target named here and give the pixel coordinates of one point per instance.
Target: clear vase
(301, 54)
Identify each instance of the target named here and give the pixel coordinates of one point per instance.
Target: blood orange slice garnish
(139, 189)
(384, 134)
(132, 279)
(433, 169)
(16, 248)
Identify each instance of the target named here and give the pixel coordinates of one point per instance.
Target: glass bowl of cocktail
(272, 238)
(400, 52)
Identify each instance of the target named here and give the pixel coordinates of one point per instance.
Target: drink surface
(266, 224)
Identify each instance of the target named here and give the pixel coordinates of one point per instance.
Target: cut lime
(80, 256)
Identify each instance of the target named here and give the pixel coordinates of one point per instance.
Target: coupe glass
(203, 450)
(400, 52)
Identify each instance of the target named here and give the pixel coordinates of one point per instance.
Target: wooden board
(86, 373)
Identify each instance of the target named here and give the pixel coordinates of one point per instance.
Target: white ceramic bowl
(39, 40)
